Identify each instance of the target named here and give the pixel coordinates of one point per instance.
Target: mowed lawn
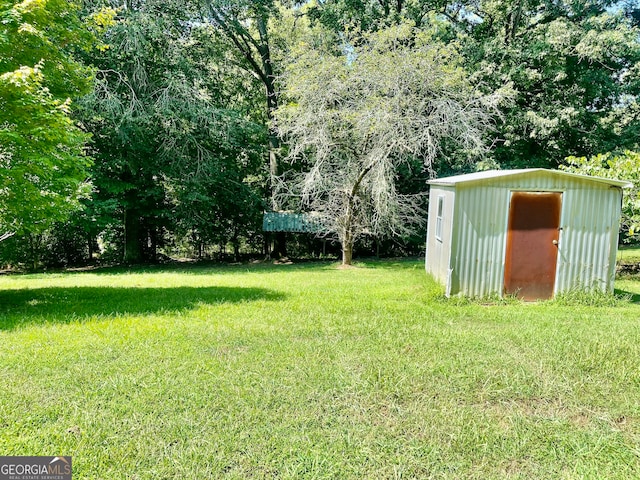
(310, 371)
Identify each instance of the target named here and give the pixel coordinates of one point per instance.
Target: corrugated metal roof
(290, 222)
(492, 174)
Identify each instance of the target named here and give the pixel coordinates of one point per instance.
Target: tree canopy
(624, 165)
(170, 153)
(43, 163)
(573, 66)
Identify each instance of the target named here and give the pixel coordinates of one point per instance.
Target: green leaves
(174, 129)
(572, 68)
(46, 31)
(42, 155)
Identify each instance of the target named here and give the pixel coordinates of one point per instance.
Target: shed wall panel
(479, 240)
(589, 239)
(439, 250)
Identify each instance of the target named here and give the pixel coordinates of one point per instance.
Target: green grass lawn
(629, 254)
(309, 371)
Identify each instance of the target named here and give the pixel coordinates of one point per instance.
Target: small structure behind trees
(281, 223)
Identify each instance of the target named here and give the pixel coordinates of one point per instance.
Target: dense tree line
(133, 129)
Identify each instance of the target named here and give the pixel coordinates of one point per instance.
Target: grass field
(629, 254)
(309, 371)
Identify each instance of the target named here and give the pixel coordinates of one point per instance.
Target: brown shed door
(532, 244)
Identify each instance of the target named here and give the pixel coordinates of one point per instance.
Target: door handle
(555, 242)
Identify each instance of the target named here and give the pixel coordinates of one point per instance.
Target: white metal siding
(479, 240)
(439, 251)
(587, 245)
(589, 239)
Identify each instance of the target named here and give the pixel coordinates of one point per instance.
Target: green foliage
(42, 155)
(174, 132)
(574, 71)
(623, 166)
(180, 111)
(47, 33)
(367, 15)
(61, 245)
(573, 67)
(43, 164)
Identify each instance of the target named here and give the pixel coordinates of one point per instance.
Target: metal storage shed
(529, 232)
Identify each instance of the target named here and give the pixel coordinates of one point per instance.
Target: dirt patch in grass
(342, 266)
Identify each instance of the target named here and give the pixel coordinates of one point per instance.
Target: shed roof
(492, 174)
(290, 222)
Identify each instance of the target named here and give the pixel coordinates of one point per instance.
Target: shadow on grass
(62, 305)
(206, 268)
(390, 263)
(626, 295)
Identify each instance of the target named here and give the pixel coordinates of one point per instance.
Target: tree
(246, 24)
(574, 67)
(165, 143)
(358, 117)
(43, 164)
(371, 15)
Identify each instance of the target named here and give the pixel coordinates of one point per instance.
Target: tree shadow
(63, 305)
(206, 268)
(631, 296)
(389, 263)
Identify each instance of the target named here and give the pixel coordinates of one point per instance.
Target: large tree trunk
(150, 244)
(347, 237)
(272, 95)
(347, 253)
(90, 243)
(247, 44)
(132, 230)
(33, 241)
(347, 240)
